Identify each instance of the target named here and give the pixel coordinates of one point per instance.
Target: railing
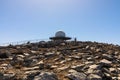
(23, 42)
(26, 41)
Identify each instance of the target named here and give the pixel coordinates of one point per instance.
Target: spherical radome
(60, 34)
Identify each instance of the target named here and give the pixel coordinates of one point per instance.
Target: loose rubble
(60, 61)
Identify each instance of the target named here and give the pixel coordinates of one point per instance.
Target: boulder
(74, 75)
(105, 63)
(4, 55)
(49, 55)
(78, 68)
(46, 76)
(94, 77)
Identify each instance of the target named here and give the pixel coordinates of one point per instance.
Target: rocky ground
(64, 61)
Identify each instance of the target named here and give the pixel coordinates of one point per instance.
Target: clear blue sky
(88, 20)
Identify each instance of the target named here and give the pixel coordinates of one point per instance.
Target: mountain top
(60, 61)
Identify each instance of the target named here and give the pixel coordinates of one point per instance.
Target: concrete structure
(60, 36)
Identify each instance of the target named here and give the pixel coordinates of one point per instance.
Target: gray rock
(1, 75)
(78, 68)
(4, 55)
(41, 66)
(8, 76)
(46, 76)
(94, 77)
(105, 63)
(17, 60)
(113, 70)
(27, 62)
(93, 66)
(49, 55)
(107, 56)
(74, 75)
(32, 75)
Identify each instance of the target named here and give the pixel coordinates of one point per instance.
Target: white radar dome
(60, 34)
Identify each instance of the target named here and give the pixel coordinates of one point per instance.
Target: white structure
(60, 36)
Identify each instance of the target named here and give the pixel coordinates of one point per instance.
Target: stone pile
(65, 61)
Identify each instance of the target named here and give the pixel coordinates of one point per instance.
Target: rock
(17, 61)
(113, 70)
(1, 75)
(9, 76)
(34, 57)
(27, 62)
(48, 66)
(84, 61)
(46, 76)
(105, 63)
(34, 52)
(98, 50)
(87, 47)
(26, 54)
(74, 75)
(93, 66)
(90, 71)
(4, 55)
(90, 59)
(94, 77)
(69, 59)
(92, 48)
(49, 55)
(107, 76)
(62, 62)
(61, 57)
(89, 62)
(54, 66)
(41, 66)
(107, 56)
(78, 68)
(31, 68)
(75, 57)
(32, 75)
(63, 68)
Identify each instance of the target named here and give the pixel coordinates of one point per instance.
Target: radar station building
(60, 36)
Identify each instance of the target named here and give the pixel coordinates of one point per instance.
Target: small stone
(34, 52)
(107, 56)
(27, 62)
(74, 75)
(53, 67)
(26, 54)
(41, 66)
(46, 76)
(113, 70)
(63, 61)
(90, 58)
(94, 77)
(88, 62)
(9, 75)
(93, 66)
(63, 68)
(1, 75)
(78, 67)
(98, 50)
(49, 55)
(105, 63)
(32, 75)
(4, 55)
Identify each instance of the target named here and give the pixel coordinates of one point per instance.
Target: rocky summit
(60, 61)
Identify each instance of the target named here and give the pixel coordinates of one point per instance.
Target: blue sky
(88, 20)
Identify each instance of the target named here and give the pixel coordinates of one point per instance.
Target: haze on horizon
(88, 20)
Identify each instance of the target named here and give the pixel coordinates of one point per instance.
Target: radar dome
(60, 34)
